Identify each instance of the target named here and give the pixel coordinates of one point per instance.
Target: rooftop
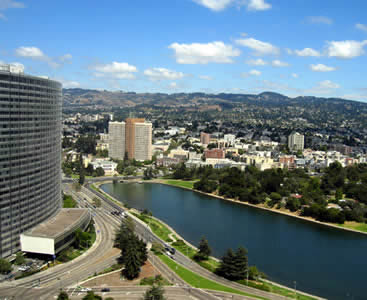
(60, 223)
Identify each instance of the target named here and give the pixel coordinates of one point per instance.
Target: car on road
(105, 290)
(169, 254)
(172, 250)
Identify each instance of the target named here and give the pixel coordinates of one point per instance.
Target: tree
(339, 194)
(91, 296)
(86, 144)
(99, 172)
(133, 250)
(5, 266)
(63, 296)
(81, 238)
(156, 292)
(204, 250)
(148, 173)
(81, 170)
(233, 266)
(19, 259)
(132, 262)
(240, 263)
(226, 268)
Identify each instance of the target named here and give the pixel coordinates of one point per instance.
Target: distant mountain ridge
(86, 97)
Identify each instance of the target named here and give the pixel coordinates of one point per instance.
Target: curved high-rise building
(30, 154)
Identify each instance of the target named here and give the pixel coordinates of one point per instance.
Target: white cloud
(328, 84)
(6, 4)
(31, 52)
(260, 48)
(294, 75)
(115, 70)
(216, 5)
(322, 68)
(255, 73)
(279, 64)
(162, 74)
(251, 73)
(256, 62)
(37, 54)
(67, 84)
(66, 57)
(205, 77)
(173, 85)
(255, 5)
(196, 53)
(320, 20)
(345, 49)
(361, 27)
(305, 52)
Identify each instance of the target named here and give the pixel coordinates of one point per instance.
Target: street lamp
(295, 289)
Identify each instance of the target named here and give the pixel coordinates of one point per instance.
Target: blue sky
(298, 47)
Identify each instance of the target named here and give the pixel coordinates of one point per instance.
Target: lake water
(327, 262)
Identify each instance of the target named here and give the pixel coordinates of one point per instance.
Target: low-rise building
(109, 167)
(214, 153)
(57, 233)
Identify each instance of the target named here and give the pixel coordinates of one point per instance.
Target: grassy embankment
(198, 281)
(157, 227)
(180, 183)
(355, 226)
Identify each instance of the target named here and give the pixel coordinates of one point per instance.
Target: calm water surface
(324, 261)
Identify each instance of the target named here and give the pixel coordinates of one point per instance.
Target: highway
(47, 284)
(144, 231)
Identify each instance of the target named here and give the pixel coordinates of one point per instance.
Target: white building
(296, 141)
(229, 138)
(109, 167)
(116, 140)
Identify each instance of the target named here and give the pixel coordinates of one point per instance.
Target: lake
(324, 261)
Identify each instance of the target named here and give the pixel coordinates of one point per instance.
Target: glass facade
(30, 155)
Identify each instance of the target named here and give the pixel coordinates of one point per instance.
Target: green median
(198, 281)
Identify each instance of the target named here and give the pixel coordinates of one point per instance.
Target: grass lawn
(198, 281)
(287, 292)
(355, 226)
(185, 249)
(157, 227)
(181, 183)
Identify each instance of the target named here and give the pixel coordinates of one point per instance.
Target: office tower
(296, 141)
(138, 139)
(204, 138)
(116, 140)
(30, 154)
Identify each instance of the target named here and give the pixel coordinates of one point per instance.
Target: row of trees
(233, 265)
(277, 187)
